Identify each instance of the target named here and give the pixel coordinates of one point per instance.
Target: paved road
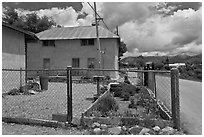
(191, 106)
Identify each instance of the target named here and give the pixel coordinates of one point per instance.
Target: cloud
(34, 6)
(116, 14)
(177, 33)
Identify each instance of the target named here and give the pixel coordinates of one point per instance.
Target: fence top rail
(88, 69)
(34, 69)
(154, 71)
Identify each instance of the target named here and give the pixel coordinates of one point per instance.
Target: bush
(125, 96)
(127, 88)
(107, 104)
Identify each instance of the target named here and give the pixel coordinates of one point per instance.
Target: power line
(99, 16)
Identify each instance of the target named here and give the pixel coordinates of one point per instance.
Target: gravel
(16, 129)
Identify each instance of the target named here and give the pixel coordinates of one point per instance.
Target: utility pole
(97, 36)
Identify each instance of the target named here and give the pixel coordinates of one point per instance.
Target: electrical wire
(98, 15)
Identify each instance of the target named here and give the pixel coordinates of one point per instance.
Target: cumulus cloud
(116, 14)
(177, 33)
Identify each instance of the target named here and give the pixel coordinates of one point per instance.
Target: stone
(156, 128)
(95, 125)
(32, 92)
(104, 126)
(144, 131)
(167, 131)
(135, 130)
(115, 130)
(147, 134)
(97, 131)
(124, 128)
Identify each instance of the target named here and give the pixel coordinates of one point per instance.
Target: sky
(147, 28)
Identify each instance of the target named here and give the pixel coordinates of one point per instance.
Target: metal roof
(81, 32)
(29, 35)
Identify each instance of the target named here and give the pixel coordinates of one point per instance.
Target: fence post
(20, 77)
(69, 94)
(145, 78)
(175, 103)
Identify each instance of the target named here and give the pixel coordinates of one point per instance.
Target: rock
(135, 130)
(115, 130)
(124, 128)
(95, 125)
(144, 131)
(167, 131)
(32, 92)
(104, 126)
(147, 134)
(152, 132)
(97, 131)
(156, 128)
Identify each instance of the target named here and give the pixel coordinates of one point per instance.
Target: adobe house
(14, 55)
(58, 48)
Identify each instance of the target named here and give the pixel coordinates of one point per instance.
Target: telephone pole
(97, 36)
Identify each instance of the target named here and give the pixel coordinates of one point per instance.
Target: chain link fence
(30, 100)
(163, 88)
(80, 86)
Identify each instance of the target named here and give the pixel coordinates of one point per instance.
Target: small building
(176, 65)
(14, 43)
(58, 48)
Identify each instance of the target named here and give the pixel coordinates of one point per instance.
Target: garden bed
(126, 105)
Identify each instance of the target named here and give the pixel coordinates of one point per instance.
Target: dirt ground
(54, 100)
(16, 129)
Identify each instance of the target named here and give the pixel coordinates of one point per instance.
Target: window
(91, 63)
(87, 42)
(75, 62)
(46, 63)
(50, 43)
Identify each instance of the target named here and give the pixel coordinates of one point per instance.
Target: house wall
(13, 49)
(61, 55)
(13, 57)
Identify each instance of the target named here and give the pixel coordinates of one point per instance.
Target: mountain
(158, 59)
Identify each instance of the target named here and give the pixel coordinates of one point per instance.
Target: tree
(122, 49)
(30, 22)
(10, 16)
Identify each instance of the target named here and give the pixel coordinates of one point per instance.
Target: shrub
(107, 104)
(125, 96)
(131, 89)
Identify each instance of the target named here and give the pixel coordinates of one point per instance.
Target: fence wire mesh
(163, 88)
(84, 87)
(28, 100)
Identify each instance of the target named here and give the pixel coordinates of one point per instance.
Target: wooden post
(69, 94)
(175, 103)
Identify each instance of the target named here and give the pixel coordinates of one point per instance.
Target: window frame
(48, 43)
(78, 63)
(87, 42)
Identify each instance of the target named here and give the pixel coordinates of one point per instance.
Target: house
(14, 55)
(58, 48)
(14, 42)
(176, 65)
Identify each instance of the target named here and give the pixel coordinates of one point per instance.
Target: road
(191, 106)
(190, 102)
